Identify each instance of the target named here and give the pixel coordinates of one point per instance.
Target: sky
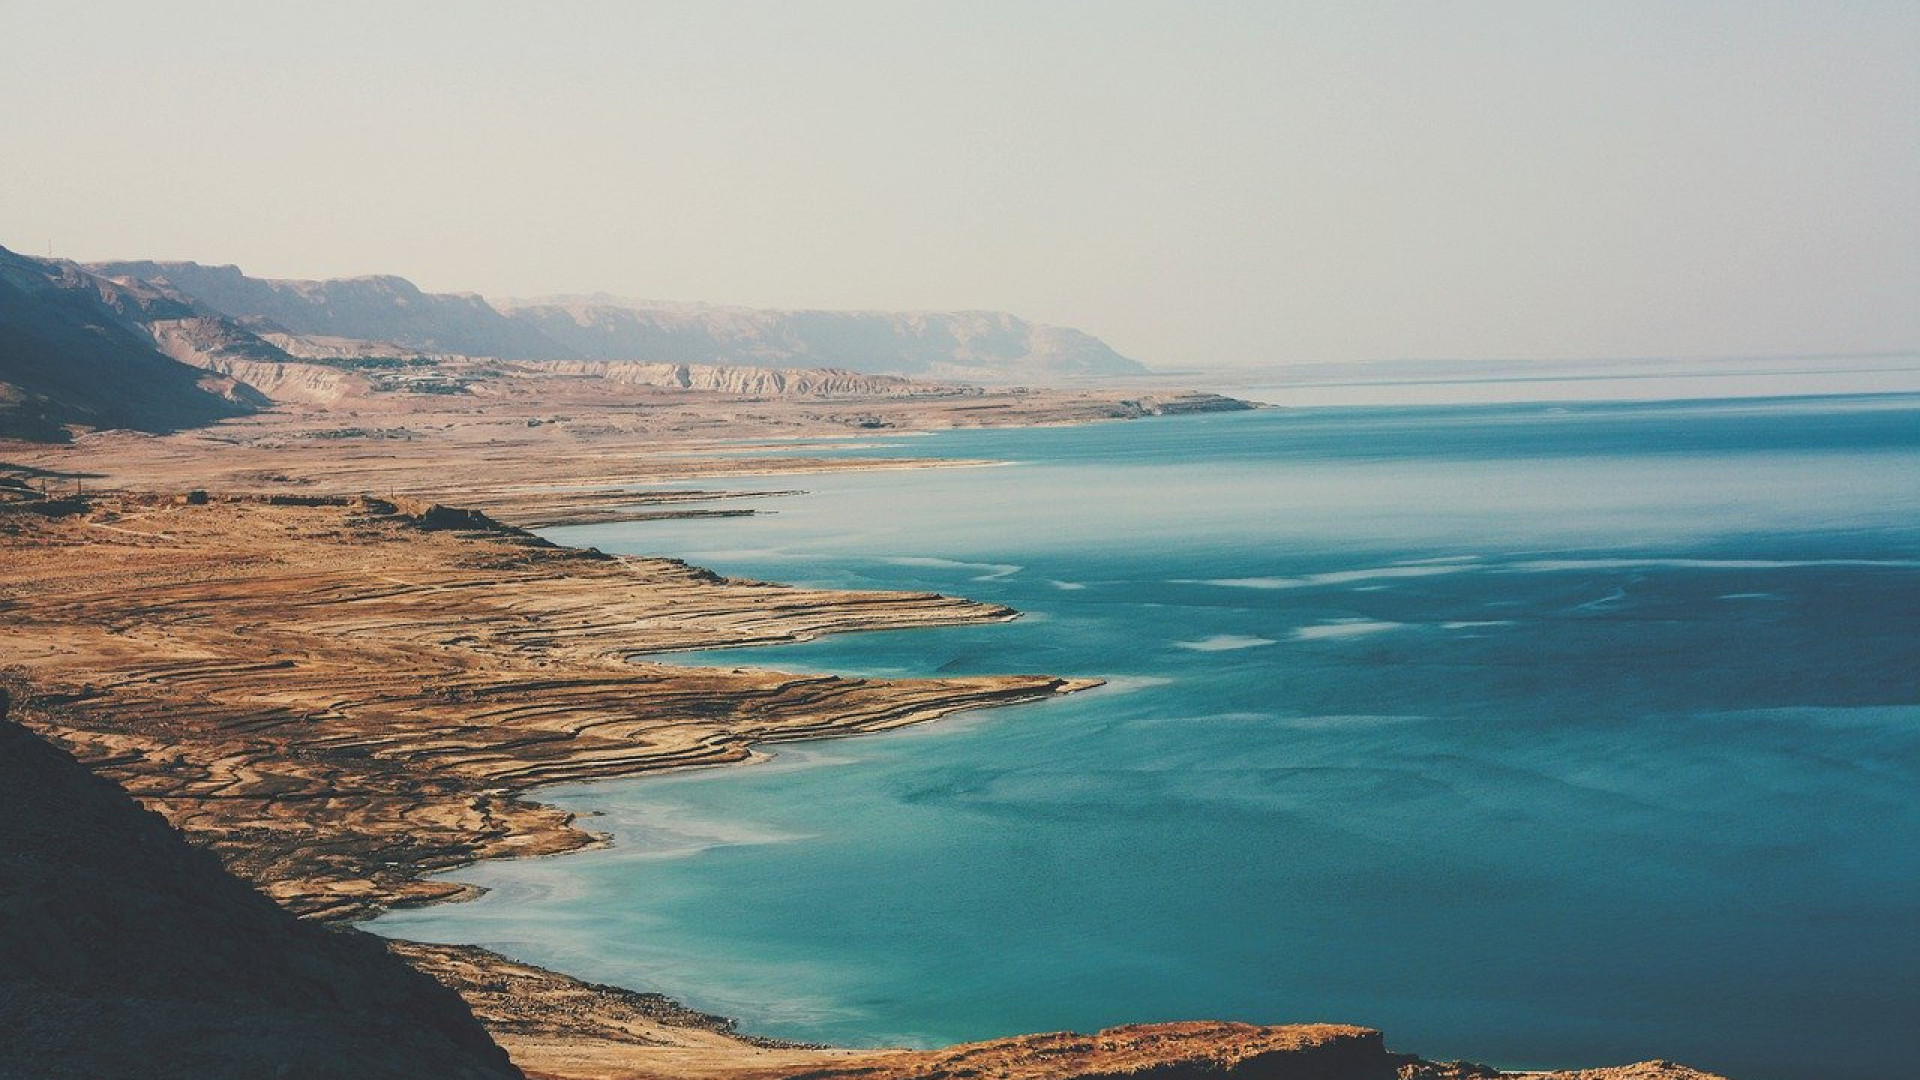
(1198, 183)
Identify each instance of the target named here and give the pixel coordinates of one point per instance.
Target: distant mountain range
(159, 347)
(968, 345)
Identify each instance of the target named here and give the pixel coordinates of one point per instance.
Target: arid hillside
(125, 954)
(75, 350)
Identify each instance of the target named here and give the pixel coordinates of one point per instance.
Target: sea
(1547, 733)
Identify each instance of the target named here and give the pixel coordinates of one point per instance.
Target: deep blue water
(1544, 734)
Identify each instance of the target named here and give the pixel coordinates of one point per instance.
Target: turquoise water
(1546, 734)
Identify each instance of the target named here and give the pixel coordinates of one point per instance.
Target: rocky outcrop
(128, 954)
(1645, 1070)
(1180, 405)
(1179, 1051)
(1200, 1050)
(74, 350)
(376, 308)
(526, 1000)
(220, 345)
(305, 384)
(207, 340)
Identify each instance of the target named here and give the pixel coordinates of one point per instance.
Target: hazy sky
(1196, 182)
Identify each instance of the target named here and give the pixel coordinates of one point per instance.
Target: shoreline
(339, 694)
(609, 839)
(755, 756)
(147, 634)
(547, 718)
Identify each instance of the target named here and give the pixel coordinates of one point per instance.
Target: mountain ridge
(984, 345)
(78, 350)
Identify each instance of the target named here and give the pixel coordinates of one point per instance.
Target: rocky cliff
(377, 308)
(953, 344)
(128, 953)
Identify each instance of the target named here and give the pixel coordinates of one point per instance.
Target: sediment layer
(341, 698)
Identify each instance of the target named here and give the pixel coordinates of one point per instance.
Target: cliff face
(126, 953)
(945, 344)
(378, 308)
(74, 349)
(964, 344)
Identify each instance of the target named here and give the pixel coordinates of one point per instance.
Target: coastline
(503, 667)
(188, 650)
(232, 661)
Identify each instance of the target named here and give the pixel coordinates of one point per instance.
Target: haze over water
(1550, 734)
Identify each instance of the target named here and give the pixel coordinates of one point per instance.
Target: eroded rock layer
(339, 698)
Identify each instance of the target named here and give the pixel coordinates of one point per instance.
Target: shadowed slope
(128, 953)
(73, 350)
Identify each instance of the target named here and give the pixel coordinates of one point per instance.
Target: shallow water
(1546, 734)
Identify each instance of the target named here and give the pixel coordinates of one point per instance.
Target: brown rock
(1177, 1051)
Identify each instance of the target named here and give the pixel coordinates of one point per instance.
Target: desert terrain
(318, 639)
(340, 693)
